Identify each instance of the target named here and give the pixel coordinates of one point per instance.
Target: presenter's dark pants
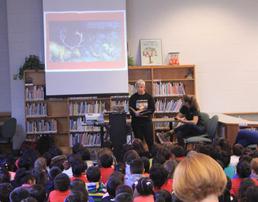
(144, 130)
(186, 131)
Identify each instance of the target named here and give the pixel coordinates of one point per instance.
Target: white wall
(5, 100)
(219, 37)
(25, 33)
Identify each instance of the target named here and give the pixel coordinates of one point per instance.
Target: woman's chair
(7, 131)
(211, 130)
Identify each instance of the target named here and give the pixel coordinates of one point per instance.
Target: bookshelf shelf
(41, 132)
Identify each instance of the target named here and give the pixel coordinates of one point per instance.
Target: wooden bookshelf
(66, 110)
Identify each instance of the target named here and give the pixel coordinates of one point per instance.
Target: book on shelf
(34, 93)
(168, 89)
(168, 106)
(81, 108)
(123, 103)
(35, 109)
(79, 125)
(85, 139)
(41, 126)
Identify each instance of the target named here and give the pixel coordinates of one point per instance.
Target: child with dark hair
(237, 151)
(158, 159)
(40, 171)
(5, 190)
(78, 170)
(77, 148)
(54, 171)
(124, 197)
(95, 187)
(252, 194)
(61, 183)
(24, 178)
(128, 157)
(136, 170)
(163, 195)
(179, 152)
(159, 176)
(228, 169)
(244, 185)
(124, 189)
(170, 167)
(38, 192)
(78, 186)
(139, 147)
(106, 169)
(243, 171)
(18, 194)
(71, 160)
(146, 164)
(144, 190)
(112, 184)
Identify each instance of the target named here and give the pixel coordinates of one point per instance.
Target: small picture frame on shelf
(151, 52)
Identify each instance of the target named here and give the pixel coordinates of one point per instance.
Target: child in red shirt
(106, 168)
(62, 183)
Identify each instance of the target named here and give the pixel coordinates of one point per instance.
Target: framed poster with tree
(151, 53)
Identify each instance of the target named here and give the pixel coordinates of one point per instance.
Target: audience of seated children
(62, 184)
(94, 186)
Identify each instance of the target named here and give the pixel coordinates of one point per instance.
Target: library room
(91, 89)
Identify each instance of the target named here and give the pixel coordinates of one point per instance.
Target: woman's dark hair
(243, 169)
(191, 100)
(106, 160)
(163, 195)
(112, 183)
(93, 174)
(144, 186)
(158, 175)
(62, 182)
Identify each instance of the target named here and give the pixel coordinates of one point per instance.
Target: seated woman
(199, 178)
(247, 137)
(190, 122)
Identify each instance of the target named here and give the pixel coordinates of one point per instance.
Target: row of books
(168, 89)
(168, 106)
(92, 139)
(41, 126)
(36, 109)
(79, 125)
(161, 125)
(123, 103)
(80, 108)
(34, 93)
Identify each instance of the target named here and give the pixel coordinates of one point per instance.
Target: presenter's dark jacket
(144, 102)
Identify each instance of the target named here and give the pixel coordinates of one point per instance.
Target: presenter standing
(141, 107)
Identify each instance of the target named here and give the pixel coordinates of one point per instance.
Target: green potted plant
(31, 62)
